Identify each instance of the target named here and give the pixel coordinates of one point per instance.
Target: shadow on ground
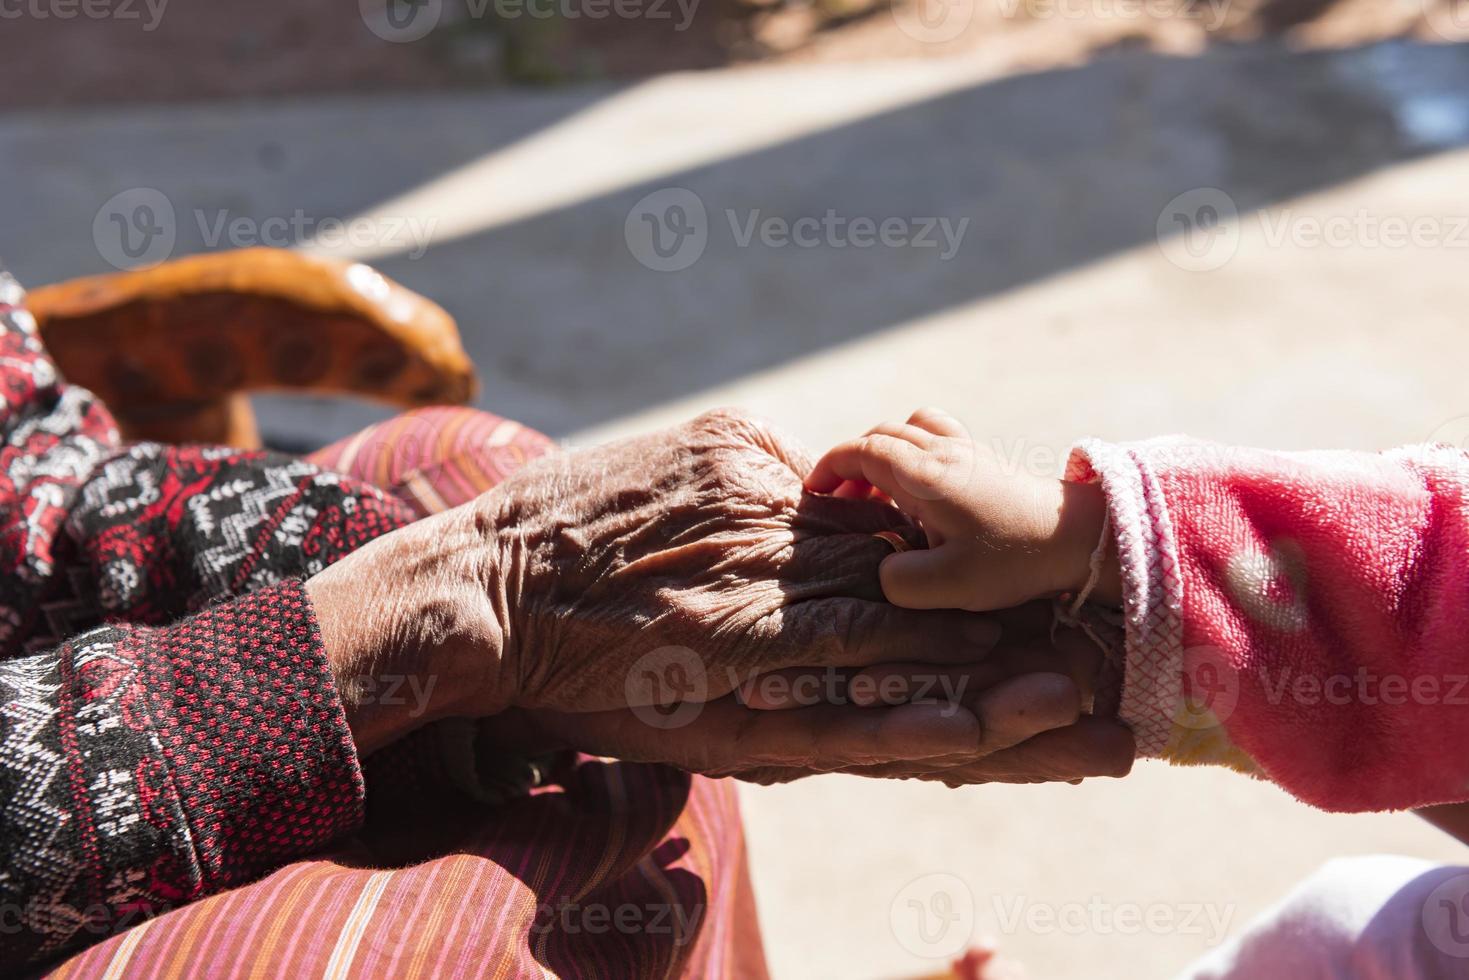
(1050, 171)
(1041, 173)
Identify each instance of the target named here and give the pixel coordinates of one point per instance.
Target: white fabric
(1380, 917)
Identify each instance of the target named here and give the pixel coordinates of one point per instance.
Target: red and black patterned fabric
(168, 725)
(472, 861)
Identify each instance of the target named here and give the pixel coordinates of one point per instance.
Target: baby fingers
(916, 475)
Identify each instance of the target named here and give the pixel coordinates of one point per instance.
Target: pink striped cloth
(605, 869)
(435, 458)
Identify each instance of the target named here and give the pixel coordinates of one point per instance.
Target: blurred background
(1241, 219)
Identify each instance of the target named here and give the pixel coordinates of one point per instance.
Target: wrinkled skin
(667, 569)
(1029, 697)
(699, 537)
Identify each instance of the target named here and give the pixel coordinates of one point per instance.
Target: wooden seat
(174, 349)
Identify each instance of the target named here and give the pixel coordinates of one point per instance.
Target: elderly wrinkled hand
(1038, 710)
(665, 568)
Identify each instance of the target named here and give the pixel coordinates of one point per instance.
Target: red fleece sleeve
(1301, 616)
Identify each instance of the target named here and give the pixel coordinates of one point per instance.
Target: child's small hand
(996, 537)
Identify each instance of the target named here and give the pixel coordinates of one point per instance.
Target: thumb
(762, 434)
(930, 578)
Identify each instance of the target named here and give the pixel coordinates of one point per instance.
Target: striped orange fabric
(435, 458)
(607, 869)
(620, 870)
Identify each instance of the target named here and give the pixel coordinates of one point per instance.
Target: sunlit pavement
(1107, 270)
(1284, 346)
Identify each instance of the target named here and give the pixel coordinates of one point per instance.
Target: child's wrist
(1082, 517)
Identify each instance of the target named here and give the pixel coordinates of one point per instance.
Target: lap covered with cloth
(182, 788)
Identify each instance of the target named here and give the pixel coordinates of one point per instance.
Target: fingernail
(981, 631)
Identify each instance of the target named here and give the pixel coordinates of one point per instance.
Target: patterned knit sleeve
(52, 438)
(144, 767)
(195, 740)
(1303, 617)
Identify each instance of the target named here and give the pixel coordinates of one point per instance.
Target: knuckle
(895, 430)
(932, 413)
(721, 417)
(910, 454)
(881, 445)
(766, 775)
(733, 428)
(729, 421)
(824, 630)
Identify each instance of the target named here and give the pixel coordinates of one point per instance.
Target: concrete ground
(1253, 245)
